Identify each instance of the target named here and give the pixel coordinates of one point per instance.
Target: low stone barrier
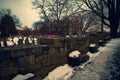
(40, 59)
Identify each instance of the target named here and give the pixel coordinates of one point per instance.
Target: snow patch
(60, 73)
(92, 45)
(23, 77)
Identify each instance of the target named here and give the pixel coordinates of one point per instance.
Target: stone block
(22, 61)
(8, 71)
(63, 57)
(31, 59)
(42, 72)
(37, 51)
(46, 62)
(19, 53)
(25, 60)
(57, 42)
(55, 59)
(7, 63)
(33, 67)
(4, 55)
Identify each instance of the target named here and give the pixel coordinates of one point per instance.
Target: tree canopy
(4, 12)
(58, 15)
(56, 9)
(7, 26)
(50, 10)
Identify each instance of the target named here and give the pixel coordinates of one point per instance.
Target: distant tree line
(99, 13)
(64, 16)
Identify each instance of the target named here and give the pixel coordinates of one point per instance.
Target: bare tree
(56, 9)
(37, 25)
(109, 11)
(81, 22)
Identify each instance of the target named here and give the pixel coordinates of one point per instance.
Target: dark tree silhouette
(4, 12)
(7, 26)
(109, 11)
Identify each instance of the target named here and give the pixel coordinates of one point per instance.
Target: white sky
(22, 9)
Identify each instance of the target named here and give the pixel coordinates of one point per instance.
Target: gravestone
(33, 41)
(27, 41)
(5, 43)
(0, 44)
(20, 42)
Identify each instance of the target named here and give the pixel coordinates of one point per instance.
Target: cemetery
(64, 33)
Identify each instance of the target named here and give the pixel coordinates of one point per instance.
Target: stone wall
(38, 59)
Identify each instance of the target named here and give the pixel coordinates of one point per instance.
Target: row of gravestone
(18, 41)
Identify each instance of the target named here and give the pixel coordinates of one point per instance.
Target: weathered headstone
(20, 42)
(0, 43)
(5, 43)
(33, 41)
(27, 41)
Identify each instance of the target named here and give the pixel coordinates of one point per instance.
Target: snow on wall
(74, 54)
(92, 45)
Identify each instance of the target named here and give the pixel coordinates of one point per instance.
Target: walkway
(105, 66)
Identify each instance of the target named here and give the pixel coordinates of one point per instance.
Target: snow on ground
(86, 71)
(59, 73)
(23, 77)
(94, 70)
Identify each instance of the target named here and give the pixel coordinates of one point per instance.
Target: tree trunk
(113, 31)
(114, 17)
(114, 24)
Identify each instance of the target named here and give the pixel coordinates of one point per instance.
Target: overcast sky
(22, 9)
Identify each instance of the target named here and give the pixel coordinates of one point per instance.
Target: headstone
(14, 44)
(20, 42)
(33, 41)
(27, 41)
(5, 43)
(15, 40)
(0, 44)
